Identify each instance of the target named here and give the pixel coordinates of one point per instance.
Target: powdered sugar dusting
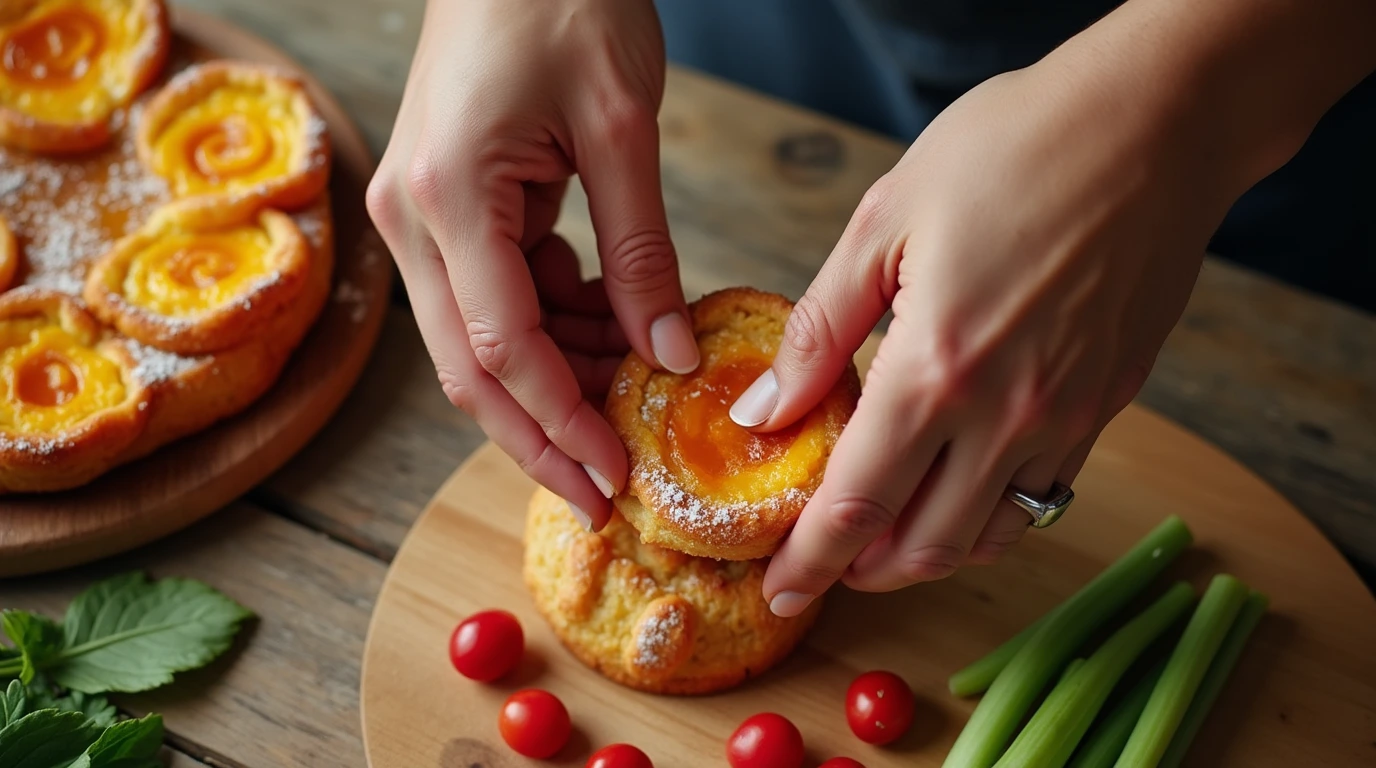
(355, 297)
(41, 446)
(153, 365)
(67, 213)
(655, 642)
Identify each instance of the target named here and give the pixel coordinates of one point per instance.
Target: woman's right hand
(506, 100)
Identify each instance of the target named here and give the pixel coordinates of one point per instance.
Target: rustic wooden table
(757, 191)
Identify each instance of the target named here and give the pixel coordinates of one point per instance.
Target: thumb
(620, 172)
(828, 324)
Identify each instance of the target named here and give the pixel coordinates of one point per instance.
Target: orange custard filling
(55, 49)
(52, 379)
(704, 441)
(232, 139)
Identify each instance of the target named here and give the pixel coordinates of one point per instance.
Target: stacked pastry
(667, 598)
(161, 255)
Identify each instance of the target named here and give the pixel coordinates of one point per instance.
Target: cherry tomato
(619, 756)
(879, 707)
(765, 740)
(487, 645)
(842, 762)
(534, 723)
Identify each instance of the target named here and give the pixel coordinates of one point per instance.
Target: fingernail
(600, 480)
(786, 605)
(582, 517)
(672, 340)
(757, 402)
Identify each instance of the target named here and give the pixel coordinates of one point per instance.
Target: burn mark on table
(470, 753)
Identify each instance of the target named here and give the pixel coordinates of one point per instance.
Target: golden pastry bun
(647, 617)
(699, 483)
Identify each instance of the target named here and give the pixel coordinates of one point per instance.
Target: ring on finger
(1046, 511)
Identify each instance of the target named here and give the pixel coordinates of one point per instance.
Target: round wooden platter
(1304, 693)
(193, 477)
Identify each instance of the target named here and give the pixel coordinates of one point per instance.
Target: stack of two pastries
(667, 598)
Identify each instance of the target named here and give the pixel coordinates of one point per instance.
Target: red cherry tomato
(842, 762)
(765, 740)
(619, 756)
(534, 723)
(879, 707)
(487, 645)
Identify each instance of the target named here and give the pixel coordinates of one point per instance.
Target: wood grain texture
(1304, 694)
(286, 694)
(193, 477)
(757, 193)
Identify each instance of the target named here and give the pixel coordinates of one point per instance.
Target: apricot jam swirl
(704, 441)
(55, 49)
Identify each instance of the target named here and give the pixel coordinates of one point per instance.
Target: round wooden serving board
(1304, 694)
(193, 477)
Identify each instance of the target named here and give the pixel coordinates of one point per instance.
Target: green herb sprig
(123, 634)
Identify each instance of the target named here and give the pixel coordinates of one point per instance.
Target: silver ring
(1043, 513)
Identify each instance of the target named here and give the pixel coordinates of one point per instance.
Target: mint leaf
(12, 703)
(130, 634)
(37, 638)
(46, 739)
(127, 744)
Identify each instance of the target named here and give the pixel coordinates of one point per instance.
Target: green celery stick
(997, 717)
(1184, 670)
(1107, 737)
(977, 677)
(1214, 679)
(1056, 728)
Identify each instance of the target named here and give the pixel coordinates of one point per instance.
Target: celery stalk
(997, 717)
(1214, 679)
(1107, 737)
(977, 677)
(1056, 728)
(1184, 671)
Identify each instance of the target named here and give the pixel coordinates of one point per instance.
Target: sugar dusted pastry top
(699, 483)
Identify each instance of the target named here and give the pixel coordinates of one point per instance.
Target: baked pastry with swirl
(66, 66)
(229, 134)
(699, 483)
(191, 285)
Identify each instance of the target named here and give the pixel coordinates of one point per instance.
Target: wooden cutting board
(189, 479)
(1303, 695)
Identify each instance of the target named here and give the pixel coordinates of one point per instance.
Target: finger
(496, 297)
(942, 521)
(1009, 522)
(877, 464)
(558, 280)
(483, 397)
(840, 309)
(620, 171)
(602, 337)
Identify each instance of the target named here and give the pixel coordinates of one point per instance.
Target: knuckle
(457, 389)
(537, 464)
(874, 206)
(624, 117)
(932, 562)
(813, 573)
(642, 261)
(808, 334)
(493, 349)
(858, 519)
(1129, 382)
(381, 201)
(425, 181)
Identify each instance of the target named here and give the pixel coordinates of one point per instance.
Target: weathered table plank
(757, 193)
(287, 692)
